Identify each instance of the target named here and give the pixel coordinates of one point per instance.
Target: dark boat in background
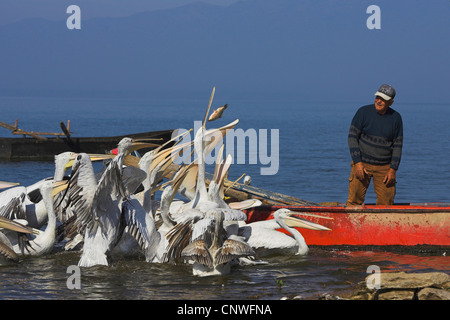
(34, 146)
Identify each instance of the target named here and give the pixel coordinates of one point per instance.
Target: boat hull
(371, 225)
(31, 149)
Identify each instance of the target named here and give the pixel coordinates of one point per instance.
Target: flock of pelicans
(113, 213)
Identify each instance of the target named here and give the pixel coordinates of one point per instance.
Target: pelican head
(291, 219)
(128, 145)
(64, 161)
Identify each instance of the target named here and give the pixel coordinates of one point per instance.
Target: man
(375, 141)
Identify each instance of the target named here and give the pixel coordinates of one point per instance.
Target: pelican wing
(178, 238)
(231, 249)
(132, 178)
(198, 251)
(6, 249)
(234, 215)
(12, 203)
(203, 230)
(73, 206)
(110, 190)
(140, 226)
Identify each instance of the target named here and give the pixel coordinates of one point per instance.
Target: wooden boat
(370, 225)
(33, 146)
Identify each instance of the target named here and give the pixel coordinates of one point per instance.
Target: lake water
(314, 164)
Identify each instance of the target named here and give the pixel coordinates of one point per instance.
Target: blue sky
(318, 50)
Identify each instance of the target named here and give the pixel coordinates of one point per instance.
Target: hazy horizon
(311, 50)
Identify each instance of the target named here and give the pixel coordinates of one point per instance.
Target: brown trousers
(357, 189)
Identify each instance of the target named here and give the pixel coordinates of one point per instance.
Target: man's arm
(353, 138)
(390, 177)
(398, 145)
(353, 143)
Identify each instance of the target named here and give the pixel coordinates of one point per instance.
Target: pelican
(26, 202)
(139, 210)
(204, 142)
(215, 258)
(265, 239)
(140, 220)
(191, 216)
(140, 233)
(7, 253)
(74, 206)
(105, 219)
(42, 243)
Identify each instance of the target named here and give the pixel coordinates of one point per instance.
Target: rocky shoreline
(403, 286)
(395, 286)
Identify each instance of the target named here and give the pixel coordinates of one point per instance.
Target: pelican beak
(180, 176)
(292, 220)
(59, 186)
(100, 157)
(4, 184)
(69, 163)
(212, 137)
(15, 226)
(141, 144)
(93, 156)
(209, 106)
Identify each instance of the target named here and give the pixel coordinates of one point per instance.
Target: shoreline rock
(406, 286)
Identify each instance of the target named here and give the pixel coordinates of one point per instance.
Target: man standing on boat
(375, 140)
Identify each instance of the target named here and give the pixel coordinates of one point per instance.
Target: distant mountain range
(313, 49)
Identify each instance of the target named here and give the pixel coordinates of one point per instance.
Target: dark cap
(386, 92)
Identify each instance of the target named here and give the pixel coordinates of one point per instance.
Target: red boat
(404, 225)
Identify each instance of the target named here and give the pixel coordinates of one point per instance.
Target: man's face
(382, 105)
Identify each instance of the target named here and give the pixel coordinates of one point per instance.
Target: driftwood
(37, 135)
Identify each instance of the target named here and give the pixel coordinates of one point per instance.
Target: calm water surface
(314, 164)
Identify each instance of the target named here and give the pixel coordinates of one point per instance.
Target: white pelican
(265, 239)
(139, 210)
(74, 209)
(214, 258)
(43, 242)
(105, 210)
(140, 220)
(140, 233)
(194, 217)
(204, 142)
(26, 202)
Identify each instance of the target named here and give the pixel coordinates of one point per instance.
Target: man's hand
(389, 179)
(360, 171)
